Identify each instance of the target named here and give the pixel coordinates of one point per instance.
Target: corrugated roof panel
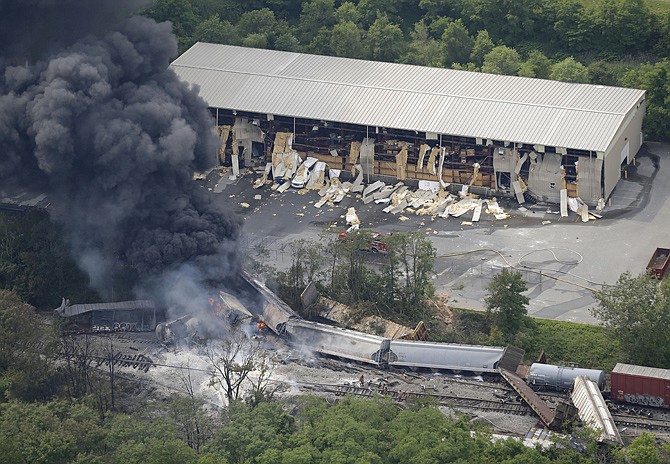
(643, 371)
(407, 97)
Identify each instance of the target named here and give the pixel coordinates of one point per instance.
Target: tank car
(561, 378)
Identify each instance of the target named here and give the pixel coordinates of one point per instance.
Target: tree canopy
(638, 308)
(505, 300)
(549, 39)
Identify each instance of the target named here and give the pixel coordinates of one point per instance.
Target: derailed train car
(444, 356)
(267, 307)
(337, 342)
(549, 376)
(372, 349)
(384, 352)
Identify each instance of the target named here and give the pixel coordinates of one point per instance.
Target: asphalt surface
(535, 240)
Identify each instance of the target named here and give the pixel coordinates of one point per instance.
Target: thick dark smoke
(113, 136)
(30, 28)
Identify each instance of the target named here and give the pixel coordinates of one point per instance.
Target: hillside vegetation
(606, 42)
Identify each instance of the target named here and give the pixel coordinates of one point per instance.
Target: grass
(563, 342)
(659, 6)
(588, 346)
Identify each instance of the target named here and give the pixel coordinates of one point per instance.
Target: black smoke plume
(111, 134)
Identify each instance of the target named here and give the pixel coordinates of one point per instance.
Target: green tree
(509, 21)
(256, 40)
(502, 60)
(624, 26)
(35, 261)
(423, 49)
(385, 39)
(348, 11)
(655, 79)
(213, 30)
(537, 65)
(504, 298)
(371, 9)
(54, 432)
(306, 262)
(347, 40)
(249, 433)
(288, 43)
(457, 43)
(638, 308)
(573, 25)
(257, 22)
(417, 256)
(179, 12)
(316, 14)
(642, 450)
(481, 46)
(26, 342)
(604, 73)
(570, 70)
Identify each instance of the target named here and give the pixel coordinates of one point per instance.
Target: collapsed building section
(497, 134)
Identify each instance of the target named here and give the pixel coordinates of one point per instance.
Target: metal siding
(634, 388)
(445, 356)
(592, 409)
(643, 371)
(581, 116)
(334, 341)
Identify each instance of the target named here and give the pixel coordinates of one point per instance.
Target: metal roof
(643, 371)
(400, 96)
(593, 410)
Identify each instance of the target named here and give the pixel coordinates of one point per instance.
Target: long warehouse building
(498, 134)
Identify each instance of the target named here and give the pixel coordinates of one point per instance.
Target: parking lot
(562, 259)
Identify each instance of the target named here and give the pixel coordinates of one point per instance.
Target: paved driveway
(582, 255)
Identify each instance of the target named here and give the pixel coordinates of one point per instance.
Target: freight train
(631, 384)
(372, 349)
(646, 386)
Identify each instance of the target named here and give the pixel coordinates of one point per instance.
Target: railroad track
(447, 400)
(136, 361)
(641, 422)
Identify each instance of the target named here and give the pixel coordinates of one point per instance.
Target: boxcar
(648, 386)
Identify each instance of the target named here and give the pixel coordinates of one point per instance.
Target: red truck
(376, 244)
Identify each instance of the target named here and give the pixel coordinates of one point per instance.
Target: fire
(262, 326)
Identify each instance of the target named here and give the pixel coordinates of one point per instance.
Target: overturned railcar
(383, 352)
(337, 342)
(268, 307)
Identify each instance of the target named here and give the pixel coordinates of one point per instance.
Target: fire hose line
(542, 272)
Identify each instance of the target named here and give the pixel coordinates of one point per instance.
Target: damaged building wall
(589, 179)
(502, 168)
(504, 164)
(245, 133)
(545, 178)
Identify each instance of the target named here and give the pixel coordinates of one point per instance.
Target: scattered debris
(352, 220)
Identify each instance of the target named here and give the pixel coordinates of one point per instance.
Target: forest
(605, 42)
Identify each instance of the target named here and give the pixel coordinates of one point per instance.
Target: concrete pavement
(583, 255)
